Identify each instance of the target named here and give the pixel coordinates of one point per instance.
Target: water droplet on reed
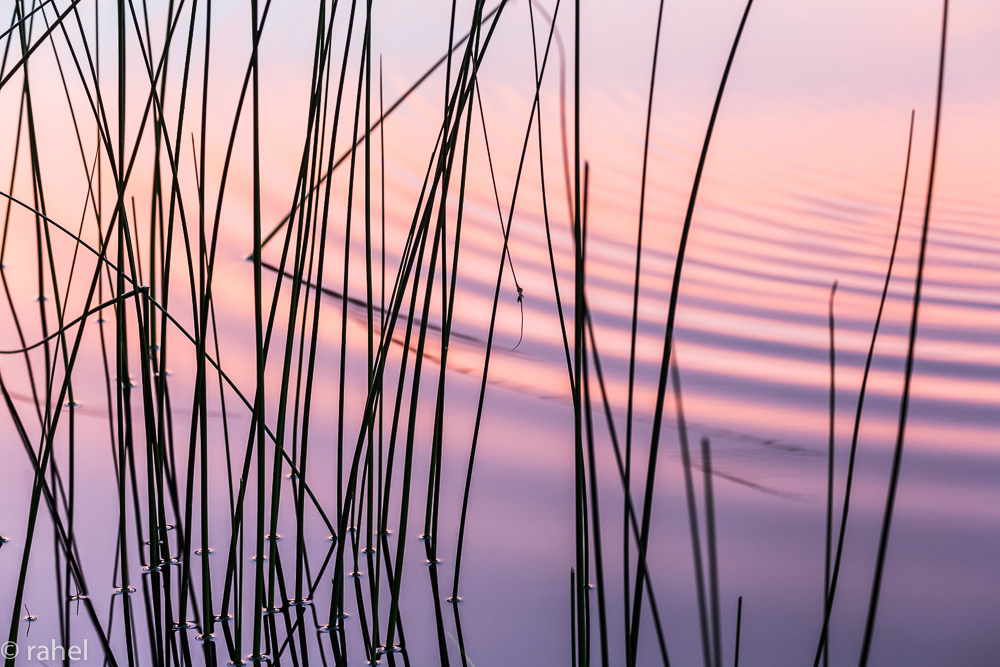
(270, 611)
(78, 597)
(71, 404)
(324, 629)
(173, 561)
(124, 590)
(30, 619)
(356, 575)
(435, 562)
(222, 618)
(369, 550)
(276, 537)
(186, 625)
(254, 558)
(454, 599)
(304, 602)
(259, 658)
(4, 540)
(395, 648)
(208, 637)
(204, 552)
(148, 569)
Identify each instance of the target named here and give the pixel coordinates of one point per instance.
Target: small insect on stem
(520, 302)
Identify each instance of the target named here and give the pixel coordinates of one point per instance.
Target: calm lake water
(801, 189)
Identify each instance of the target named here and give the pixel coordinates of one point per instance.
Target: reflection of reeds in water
(151, 279)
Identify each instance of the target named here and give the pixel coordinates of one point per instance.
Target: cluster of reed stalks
(330, 416)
